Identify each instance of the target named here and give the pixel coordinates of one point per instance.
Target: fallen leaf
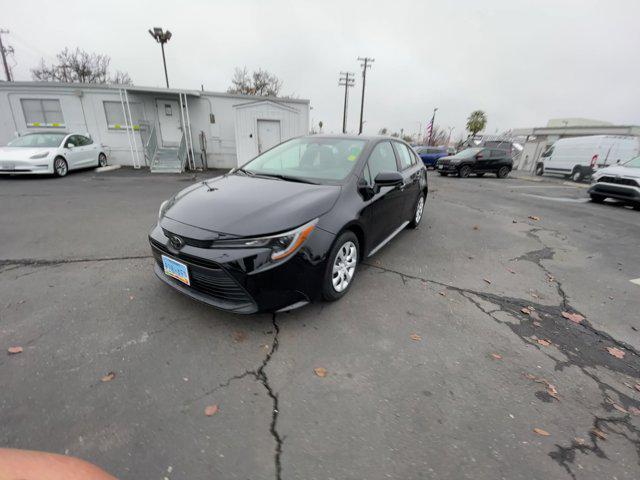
(552, 391)
(511, 271)
(580, 441)
(525, 310)
(320, 371)
(620, 408)
(573, 317)
(239, 336)
(544, 343)
(476, 227)
(535, 316)
(616, 352)
(634, 410)
(537, 324)
(416, 337)
(539, 431)
(514, 221)
(497, 356)
(535, 218)
(108, 377)
(488, 281)
(599, 433)
(444, 294)
(14, 350)
(534, 295)
(211, 410)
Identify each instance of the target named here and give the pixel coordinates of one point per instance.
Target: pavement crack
(38, 262)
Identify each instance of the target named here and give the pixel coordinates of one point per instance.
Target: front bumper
(619, 192)
(35, 166)
(447, 167)
(241, 280)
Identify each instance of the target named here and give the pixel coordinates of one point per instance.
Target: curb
(108, 168)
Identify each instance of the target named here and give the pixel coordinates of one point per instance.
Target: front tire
(341, 267)
(540, 169)
(60, 167)
(503, 172)
(418, 211)
(577, 175)
(464, 171)
(102, 160)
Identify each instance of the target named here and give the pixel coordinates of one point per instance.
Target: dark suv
(478, 160)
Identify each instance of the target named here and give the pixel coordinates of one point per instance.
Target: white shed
(262, 124)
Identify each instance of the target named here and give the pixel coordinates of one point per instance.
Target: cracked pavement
(78, 294)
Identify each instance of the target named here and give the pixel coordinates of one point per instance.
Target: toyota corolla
(292, 225)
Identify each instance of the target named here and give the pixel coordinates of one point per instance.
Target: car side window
(382, 159)
(85, 140)
(497, 154)
(403, 155)
(72, 139)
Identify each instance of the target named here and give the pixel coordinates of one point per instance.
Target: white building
(143, 126)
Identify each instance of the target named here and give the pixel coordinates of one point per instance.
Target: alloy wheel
(102, 160)
(419, 210)
(60, 166)
(344, 266)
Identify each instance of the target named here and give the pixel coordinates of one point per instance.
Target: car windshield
(469, 152)
(37, 140)
(309, 158)
(633, 163)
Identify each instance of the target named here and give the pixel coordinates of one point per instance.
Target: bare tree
(260, 83)
(439, 135)
(78, 66)
(383, 131)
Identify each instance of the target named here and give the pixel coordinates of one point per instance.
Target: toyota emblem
(176, 242)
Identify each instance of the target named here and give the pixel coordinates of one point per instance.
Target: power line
(347, 81)
(3, 52)
(366, 63)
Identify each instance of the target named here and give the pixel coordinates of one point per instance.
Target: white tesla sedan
(50, 152)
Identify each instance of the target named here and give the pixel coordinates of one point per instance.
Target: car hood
(20, 153)
(619, 170)
(250, 206)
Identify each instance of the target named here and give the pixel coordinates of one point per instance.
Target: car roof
(366, 138)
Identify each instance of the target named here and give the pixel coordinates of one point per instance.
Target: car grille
(194, 242)
(443, 162)
(208, 278)
(619, 181)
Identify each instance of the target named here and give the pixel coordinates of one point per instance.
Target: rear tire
(595, 198)
(60, 167)
(503, 172)
(341, 259)
(102, 160)
(577, 175)
(540, 170)
(418, 211)
(464, 171)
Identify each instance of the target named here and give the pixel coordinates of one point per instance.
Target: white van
(579, 157)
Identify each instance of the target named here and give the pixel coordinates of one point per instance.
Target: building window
(167, 110)
(40, 112)
(115, 115)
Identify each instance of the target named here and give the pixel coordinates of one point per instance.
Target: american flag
(428, 132)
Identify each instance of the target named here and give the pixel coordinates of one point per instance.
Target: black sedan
(291, 225)
(478, 160)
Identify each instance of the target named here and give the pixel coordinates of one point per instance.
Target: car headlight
(163, 208)
(39, 155)
(282, 245)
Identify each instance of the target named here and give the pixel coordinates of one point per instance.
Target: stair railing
(151, 148)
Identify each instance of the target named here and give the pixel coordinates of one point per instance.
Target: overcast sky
(522, 62)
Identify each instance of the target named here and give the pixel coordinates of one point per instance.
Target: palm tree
(476, 122)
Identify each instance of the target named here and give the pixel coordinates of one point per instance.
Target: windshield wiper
(288, 178)
(246, 172)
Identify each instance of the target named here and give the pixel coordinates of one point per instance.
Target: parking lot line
(636, 281)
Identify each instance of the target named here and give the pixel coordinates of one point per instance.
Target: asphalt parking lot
(433, 369)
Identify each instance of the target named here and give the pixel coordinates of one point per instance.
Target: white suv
(621, 182)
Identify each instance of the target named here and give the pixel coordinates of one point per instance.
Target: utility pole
(162, 38)
(347, 81)
(4, 57)
(366, 63)
(433, 119)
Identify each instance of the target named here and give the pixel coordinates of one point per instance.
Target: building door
(268, 134)
(170, 124)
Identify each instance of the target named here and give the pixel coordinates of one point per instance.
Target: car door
(73, 151)
(499, 159)
(482, 163)
(411, 175)
(382, 208)
(89, 152)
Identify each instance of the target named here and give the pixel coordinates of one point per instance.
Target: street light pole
(162, 37)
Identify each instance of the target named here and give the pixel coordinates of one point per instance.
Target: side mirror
(70, 146)
(479, 156)
(388, 179)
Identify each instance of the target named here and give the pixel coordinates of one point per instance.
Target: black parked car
(290, 226)
(478, 160)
